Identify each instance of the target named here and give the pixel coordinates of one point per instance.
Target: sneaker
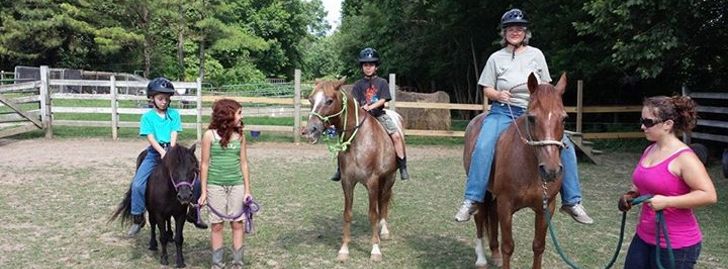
(134, 230)
(138, 222)
(466, 210)
(577, 212)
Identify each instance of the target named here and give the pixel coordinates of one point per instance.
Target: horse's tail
(123, 209)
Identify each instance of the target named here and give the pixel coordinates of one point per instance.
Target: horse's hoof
(181, 265)
(384, 236)
(164, 262)
(376, 257)
(153, 248)
(342, 257)
(497, 262)
(481, 266)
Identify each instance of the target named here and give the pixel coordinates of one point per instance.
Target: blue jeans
(496, 122)
(641, 255)
(139, 184)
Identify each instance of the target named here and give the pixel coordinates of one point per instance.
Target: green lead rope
(660, 226)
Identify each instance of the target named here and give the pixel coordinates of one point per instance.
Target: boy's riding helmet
(160, 85)
(514, 17)
(369, 55)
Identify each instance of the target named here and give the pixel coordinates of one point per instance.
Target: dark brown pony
(168, 194)
(526, 172)
(366, 156)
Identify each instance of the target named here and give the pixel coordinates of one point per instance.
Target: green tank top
(225, 164)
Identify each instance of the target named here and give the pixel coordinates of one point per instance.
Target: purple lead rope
(250, 207)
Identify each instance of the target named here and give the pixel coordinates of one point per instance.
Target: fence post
(297, 106)
(686, 135)
(393, 91)
(579, 105)
(199, 110)
(45, 102)
(114, 109)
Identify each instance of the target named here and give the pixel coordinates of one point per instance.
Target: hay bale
(421, 118)
(425, 118)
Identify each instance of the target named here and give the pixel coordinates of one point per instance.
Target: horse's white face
(325, 109)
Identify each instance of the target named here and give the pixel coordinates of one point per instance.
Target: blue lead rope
(660, 226)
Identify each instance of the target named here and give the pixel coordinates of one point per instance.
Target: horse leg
(480, 221)
(163, 239)
(539, 238)
(153, 237)
(384, 197)
(348, 201)
(505, 215)
(179, 222)
(376, 254)
(495, 253)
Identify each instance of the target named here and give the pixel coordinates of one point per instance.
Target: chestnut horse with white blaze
(365, 155)
(527, 172)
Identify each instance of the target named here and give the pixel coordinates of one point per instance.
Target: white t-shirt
(504, 72)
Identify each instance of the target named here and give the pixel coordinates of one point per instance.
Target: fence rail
(290, 105)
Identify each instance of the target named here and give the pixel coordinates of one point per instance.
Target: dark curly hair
(223, 120)
(680, 109)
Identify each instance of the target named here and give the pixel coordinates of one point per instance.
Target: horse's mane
(176, 155)
(545, 93)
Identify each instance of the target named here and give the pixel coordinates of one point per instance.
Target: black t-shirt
(369, 91)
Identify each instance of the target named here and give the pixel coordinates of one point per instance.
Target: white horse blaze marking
(481, 260)
(375, 250)
(319, 98)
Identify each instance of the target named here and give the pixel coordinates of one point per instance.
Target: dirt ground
(92, 152)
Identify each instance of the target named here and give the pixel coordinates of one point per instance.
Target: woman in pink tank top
(676, 178)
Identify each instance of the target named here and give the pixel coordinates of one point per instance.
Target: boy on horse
(372, 92)
(160, 126)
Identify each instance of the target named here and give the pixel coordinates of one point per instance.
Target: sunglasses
(649, 122)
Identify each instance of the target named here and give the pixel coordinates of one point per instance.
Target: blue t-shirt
(160, 127)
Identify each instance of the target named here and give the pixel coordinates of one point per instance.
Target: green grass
(54, 217)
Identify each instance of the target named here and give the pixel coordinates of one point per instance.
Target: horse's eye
(329, 102)
(531, 119)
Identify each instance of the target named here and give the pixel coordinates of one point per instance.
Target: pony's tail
(123, 210)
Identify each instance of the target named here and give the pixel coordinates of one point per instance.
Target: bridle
(343, 145)
(179, 184)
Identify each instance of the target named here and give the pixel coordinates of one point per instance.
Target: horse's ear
(316, 82)
(339, 83)
(532, 83)
(561, 85)
(193, 147)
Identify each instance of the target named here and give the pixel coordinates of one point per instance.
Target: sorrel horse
(365, 155)
(169, 193)
(526, 172)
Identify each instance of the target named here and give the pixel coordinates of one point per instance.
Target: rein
(250, 207)
(529, 141)
(342, 145)
(660, 226)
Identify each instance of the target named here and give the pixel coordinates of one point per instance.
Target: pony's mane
(176, 155)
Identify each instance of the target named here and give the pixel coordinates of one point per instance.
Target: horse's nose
(184, 197)
(550, 174)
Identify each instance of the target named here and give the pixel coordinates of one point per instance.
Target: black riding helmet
(514, 17)
(159, 85)
(369, 55)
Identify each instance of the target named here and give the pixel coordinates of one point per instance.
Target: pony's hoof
(376, 257)
(481, 266)
(182, 265)
(342, 257)
(497, 262)
(153, 248)
(384, 236)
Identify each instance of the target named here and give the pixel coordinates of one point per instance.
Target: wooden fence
(297, 103)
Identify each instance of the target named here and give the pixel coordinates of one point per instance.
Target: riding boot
(193, 218)
(238, 258)
(217, 258)
(402, 165)
(337, 175)
(137, 224)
